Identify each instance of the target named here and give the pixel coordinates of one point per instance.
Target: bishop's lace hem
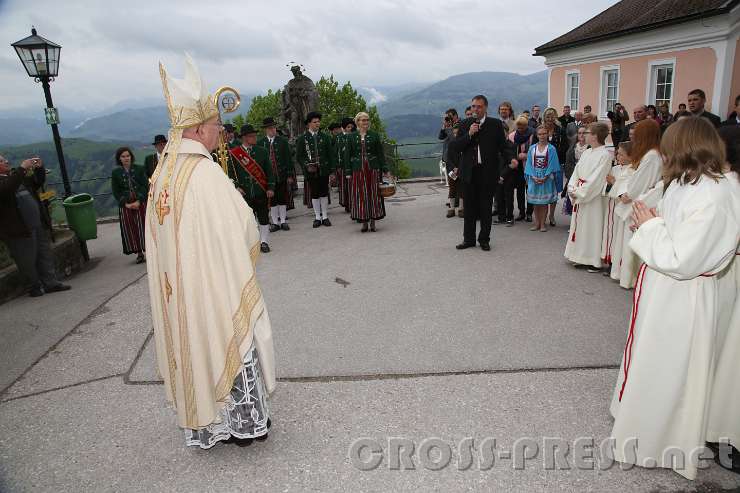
(246, 411)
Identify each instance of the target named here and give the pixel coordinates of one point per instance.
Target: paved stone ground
(392, 335)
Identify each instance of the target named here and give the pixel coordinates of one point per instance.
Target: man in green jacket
(281, 164)
(314, 155)
(151, 161)
(250, 170)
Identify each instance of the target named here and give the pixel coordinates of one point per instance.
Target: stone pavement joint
(97, 311)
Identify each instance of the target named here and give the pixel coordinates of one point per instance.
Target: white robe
(587, 222)
(651, 199)
(642, 180)
(611, 241)
(666, 373)
(724, 409)
(207, 307)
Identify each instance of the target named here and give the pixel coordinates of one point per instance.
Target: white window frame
(603, 70)
(652, 80)
(568, 88)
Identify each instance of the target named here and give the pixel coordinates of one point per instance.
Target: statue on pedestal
(300, 97)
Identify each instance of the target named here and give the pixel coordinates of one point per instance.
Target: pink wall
(735, 87)
(694, 69)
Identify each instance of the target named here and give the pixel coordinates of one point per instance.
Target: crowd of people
(349, 156)
(653, 204)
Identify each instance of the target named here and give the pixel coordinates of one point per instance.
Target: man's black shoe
(326, 222)
(510, 223)
(285, 227)
(36, 292)
(264, 247)
(274, 227)
(316, 223)
(463, 246)
(528, 218)
(497, 221)
(486, 247)
(520, 217)
(57, 288)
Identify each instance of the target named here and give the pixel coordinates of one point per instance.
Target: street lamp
(40, 58)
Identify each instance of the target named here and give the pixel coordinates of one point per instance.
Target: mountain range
(409, 110)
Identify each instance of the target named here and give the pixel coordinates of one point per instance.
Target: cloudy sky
(110, 49)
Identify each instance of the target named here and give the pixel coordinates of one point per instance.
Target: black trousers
(514, 181)
(34, 257)
(319, 185)
(478, 205)
(261, 211)
(282, 193)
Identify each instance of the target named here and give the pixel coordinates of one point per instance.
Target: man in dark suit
(25, 225)
(151, 161)
(481, 141)
(697, 99)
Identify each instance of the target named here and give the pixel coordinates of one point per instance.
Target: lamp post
(40, 58)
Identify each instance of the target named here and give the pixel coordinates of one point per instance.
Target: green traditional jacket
(150, 164)
(373, 150)
(283, 157)
(242, 179)
(308, 148)
(340, 150)
(234, 143)
(123, 184)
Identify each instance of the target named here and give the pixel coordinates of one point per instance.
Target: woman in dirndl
(130, 186)
(365, 164)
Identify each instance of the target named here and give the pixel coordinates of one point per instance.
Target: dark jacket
(494, 150)
(123, 189)
(309, 149)
(283, 157)
(373, 151)
(716, 121)
(11, 222)
(150, 164)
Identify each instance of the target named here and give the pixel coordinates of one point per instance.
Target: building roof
(630, 16)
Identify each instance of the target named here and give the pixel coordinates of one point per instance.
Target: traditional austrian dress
(128, 187)
(366, 163)
(542, 164)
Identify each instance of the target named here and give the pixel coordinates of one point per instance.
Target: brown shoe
(450, 212)
(460, 213)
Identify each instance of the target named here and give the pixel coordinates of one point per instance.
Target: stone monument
(299, 98)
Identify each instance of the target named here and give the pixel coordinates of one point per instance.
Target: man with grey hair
(639, 113)
(572, 128)
(25, 225)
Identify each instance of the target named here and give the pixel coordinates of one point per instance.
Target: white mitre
(188, 104)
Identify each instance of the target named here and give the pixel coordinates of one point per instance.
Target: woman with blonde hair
(664, 386)
(648, 165)
(364, 164)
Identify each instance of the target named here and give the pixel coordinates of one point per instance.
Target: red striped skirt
(132, 229)
(365, 198)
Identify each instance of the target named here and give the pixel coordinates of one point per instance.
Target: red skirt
(365, 198)
(132, 229)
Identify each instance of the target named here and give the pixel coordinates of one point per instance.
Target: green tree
(335, 102)
(263, 106)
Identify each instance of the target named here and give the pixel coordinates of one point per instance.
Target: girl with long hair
(664, 386)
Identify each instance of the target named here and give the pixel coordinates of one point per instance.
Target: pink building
(642, 52)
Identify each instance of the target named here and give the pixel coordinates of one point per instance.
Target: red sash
(249, 165)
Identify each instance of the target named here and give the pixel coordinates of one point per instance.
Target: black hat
(247, 129)
(311, 115)
(334, 125)
(228, 127)
(269, 122)
(346, 121)
(159, 139)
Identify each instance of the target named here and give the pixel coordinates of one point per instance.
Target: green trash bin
(81, 216)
